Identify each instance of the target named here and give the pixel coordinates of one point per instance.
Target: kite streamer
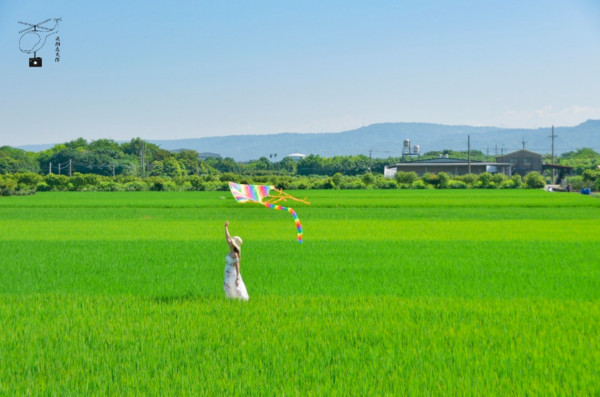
(294, 215)
(257, 194)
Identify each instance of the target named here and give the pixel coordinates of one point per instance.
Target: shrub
(485, 178)
(197, 182)
(386, 184)
(110, 186)
(353, 184)
(576, 182)
(498, 178)
(430, 178)
(368, 179)
(590, 175)
(337, 179)
(300, 184)
(57, 182)
(229, 176)
(29, 179)
(517, 180)
(282, 182)
(419, 184)
(454, 184)
(135, 186)
(444, 179)
(469, 179)
(508, 184)
(216, 186)
(43, 187)
(8, 185)
(328, 184)
(534, 180)
(85, 181)
(406, 177)
(156, 183)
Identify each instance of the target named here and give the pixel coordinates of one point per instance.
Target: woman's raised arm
(227, 236)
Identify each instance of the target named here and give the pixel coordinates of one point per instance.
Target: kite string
(282, 196)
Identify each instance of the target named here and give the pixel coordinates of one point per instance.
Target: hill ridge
(386, 139)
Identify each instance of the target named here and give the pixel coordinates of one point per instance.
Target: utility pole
(523, 142)
(142, 159)
(70, 167)
(553, 160)
(370, 162)
(469, 151)
(58, 168)
(50, 168)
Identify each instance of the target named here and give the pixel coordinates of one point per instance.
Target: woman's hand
(226, 223)
(237, 282)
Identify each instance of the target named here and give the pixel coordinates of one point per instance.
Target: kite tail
(294, 215)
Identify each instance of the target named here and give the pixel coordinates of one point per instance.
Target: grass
(392, 293)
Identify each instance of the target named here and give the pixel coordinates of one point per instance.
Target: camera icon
(35, 62)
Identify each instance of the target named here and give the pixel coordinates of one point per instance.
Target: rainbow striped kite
(260, 194)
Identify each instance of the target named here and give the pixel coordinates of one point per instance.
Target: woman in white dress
(233, 284)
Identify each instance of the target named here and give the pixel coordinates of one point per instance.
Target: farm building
(449, 166)
(562, 170)
(522, 161)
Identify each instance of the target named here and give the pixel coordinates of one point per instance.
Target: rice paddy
(392, 293)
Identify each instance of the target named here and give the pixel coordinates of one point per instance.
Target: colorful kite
(260, 194)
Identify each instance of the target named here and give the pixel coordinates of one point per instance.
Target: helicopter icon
(34, 38)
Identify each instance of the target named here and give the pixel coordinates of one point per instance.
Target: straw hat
(236, 241)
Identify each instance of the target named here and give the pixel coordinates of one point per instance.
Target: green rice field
(400, 292)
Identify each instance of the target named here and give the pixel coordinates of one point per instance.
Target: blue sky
(184, 69)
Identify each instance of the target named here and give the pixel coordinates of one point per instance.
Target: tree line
(106, 165)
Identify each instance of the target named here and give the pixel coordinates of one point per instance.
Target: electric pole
(142, 159)
(553, 160)
(469, 151)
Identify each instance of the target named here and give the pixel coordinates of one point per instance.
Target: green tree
(189, 161)
(581, 160)
(310, 165)
(16, 160)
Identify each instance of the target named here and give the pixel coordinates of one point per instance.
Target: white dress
(231, 290)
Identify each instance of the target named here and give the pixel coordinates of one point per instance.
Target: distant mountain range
(386, 139)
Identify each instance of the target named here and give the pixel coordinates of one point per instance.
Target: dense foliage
(105, 165)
